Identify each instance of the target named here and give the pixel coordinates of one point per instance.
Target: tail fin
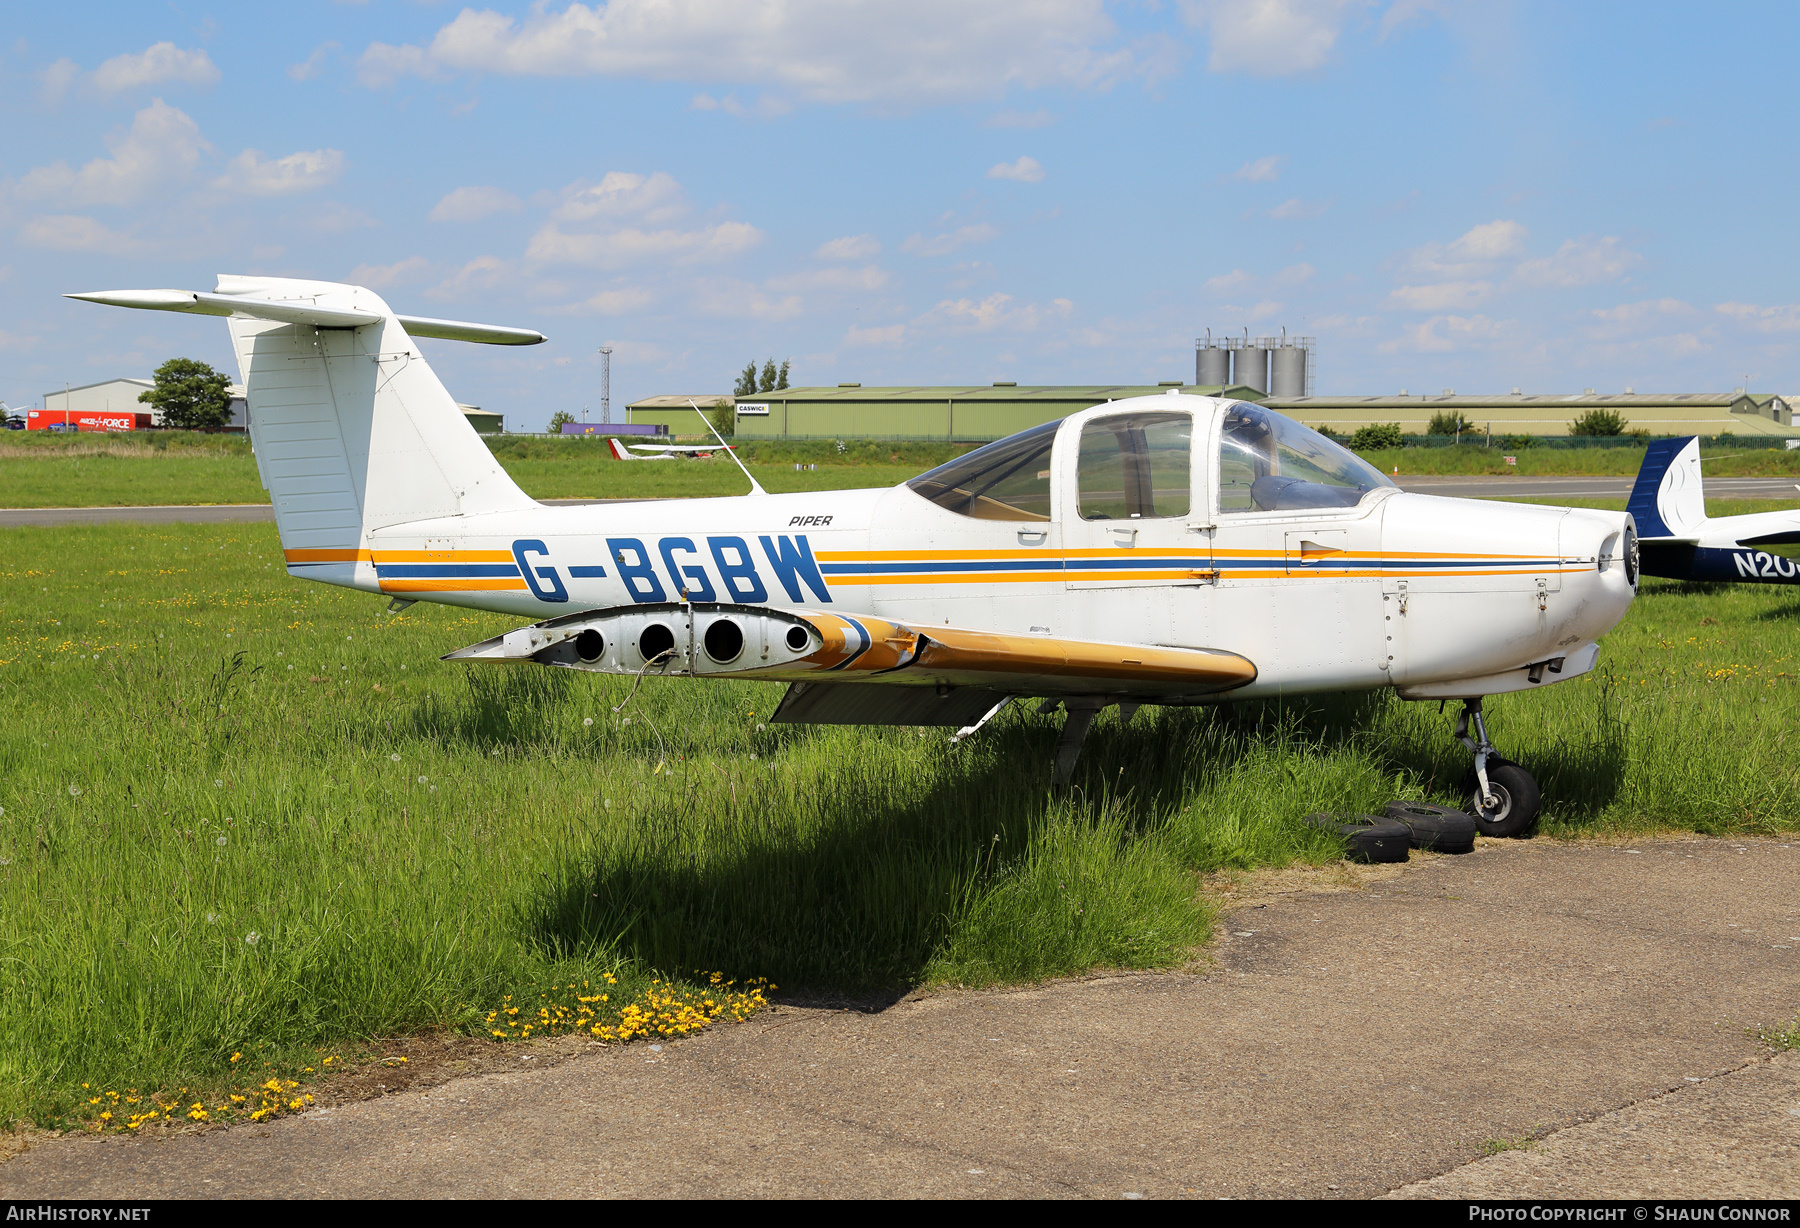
(619, 450)
(353, 432)
(1668, 500)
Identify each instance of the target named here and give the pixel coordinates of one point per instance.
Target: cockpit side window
(1006, 480)
(1135, 466)
(1269, 463)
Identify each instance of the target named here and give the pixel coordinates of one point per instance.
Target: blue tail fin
(1668, 500)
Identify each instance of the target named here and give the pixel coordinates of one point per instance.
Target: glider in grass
(1172, 549)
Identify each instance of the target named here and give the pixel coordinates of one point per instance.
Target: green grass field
(241, 813)
(40, 470)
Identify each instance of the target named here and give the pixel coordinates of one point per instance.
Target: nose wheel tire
(1515, 802)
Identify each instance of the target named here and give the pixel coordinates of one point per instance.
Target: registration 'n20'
(1763, 565)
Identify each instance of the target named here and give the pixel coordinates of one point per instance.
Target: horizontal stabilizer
(303, 311)
(195, 302)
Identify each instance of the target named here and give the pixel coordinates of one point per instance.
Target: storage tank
(1212, 364)
(1253, 366)
(1287, 372)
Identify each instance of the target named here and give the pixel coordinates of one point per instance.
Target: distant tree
(559, 419)
(191, 395)
(723, 418)
(768, 377)
(1376, 436)
(746, 381)
(1599, 422)
(781, 378)
(1443, 423)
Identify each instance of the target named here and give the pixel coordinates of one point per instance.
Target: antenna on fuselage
(755, 486)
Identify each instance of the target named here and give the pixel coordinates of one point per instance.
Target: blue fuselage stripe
(444, 571)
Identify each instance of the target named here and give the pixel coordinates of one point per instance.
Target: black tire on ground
(1371, 838)
(1438, 828)
(1518, 800)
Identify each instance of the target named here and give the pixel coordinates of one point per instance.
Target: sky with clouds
(1471, 195)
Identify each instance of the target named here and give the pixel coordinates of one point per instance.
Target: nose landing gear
(1504, 797)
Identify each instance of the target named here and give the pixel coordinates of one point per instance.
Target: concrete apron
(1341, 1044)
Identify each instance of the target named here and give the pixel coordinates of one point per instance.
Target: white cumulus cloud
(1269, 38)
(73, 233)
(381, 276)
(831, 51)
(1476, 252)
(850, 247)
(1780, 319)
(628, 219)
(889, 336)
(949, 241)
(740, 300)
(155, 65)
(255, 175)
(1442, 296)
(472, 204)
(1580, 262)
(1263, 170)
(996, 311)
(841, 280)
(1445, 333)
(1025, 170)
(161, 147)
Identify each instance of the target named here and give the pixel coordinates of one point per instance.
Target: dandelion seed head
(252, 938)
(395, 758)
(424, 780)
(74, 790)
(587, 720)
(212, 918)
(218, 784)
(220, 841)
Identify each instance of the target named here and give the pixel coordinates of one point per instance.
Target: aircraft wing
(675, 447)
(861, 669)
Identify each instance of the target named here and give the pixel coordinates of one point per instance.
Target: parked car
(15, 424)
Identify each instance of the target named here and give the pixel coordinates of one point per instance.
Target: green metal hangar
(976, 413)
(1677, 413)
(971, 413)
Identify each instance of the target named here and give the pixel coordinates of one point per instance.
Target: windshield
(1268, 463)
(1006, 480)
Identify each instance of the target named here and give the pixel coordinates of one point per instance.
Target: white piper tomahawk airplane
(1170, 549)
(663, 451)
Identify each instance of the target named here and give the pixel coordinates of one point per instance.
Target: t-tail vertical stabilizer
(352, 429)
(1667, 501)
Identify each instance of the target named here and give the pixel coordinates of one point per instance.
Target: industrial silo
(1253, 365)
(1287, 371)
(1212, 362)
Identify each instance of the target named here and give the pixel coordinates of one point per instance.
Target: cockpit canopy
(1268, 463)
(1137, 464)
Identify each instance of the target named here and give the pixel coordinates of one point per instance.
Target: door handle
(1033, 537)
(1126, 536)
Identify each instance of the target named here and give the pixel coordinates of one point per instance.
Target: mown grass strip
(243, 814)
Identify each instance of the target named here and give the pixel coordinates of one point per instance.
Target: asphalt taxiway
(1584, 1009)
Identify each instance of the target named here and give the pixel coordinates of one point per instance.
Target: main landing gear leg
(1503, 796)
(1080, 718)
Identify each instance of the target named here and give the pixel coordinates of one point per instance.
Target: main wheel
(1516, 800)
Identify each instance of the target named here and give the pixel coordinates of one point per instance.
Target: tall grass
(239, 809)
